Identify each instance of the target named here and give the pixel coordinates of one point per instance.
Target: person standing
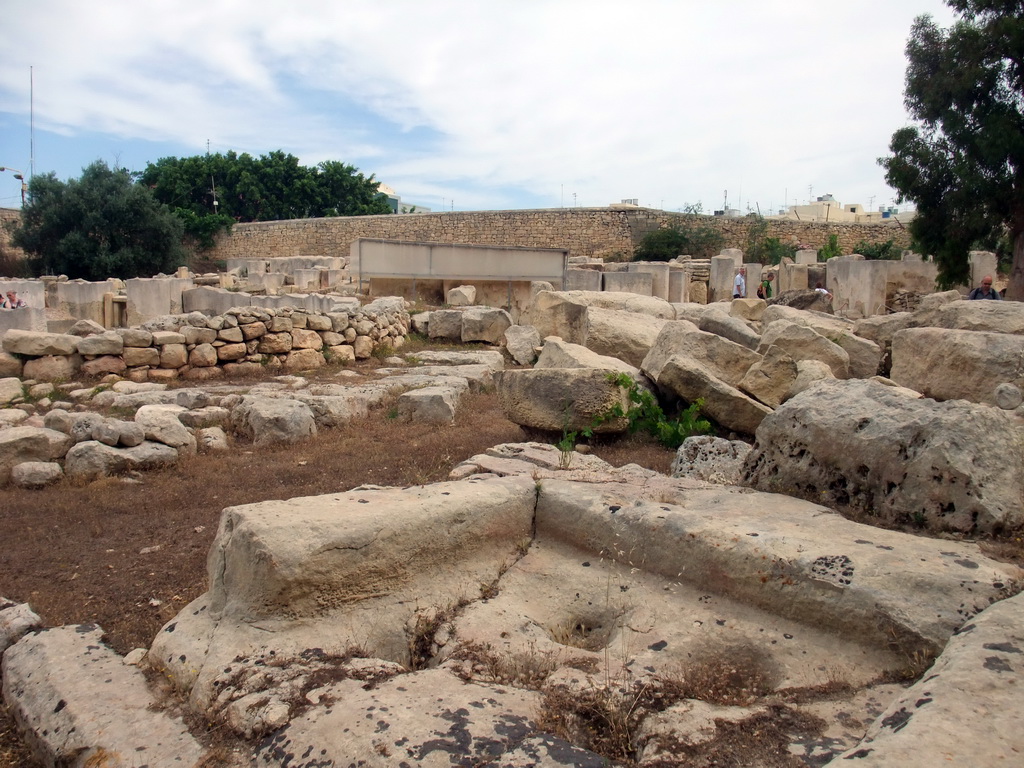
(984, 291)
(765, 289)
(739, 285)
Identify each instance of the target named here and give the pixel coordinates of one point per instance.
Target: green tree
(882, 251)
(963, 163)
(666, 243)
(211, 192)
(831, 249)
(98, 226)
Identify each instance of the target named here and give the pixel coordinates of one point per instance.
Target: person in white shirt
(739, 285)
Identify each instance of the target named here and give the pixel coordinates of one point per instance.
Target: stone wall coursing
(591, 232)
(196, 347)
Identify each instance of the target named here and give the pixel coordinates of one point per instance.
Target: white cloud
(666, 101)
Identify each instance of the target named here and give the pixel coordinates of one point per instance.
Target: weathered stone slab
(85, 706)
(557, 399)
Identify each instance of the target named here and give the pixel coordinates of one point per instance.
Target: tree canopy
(210, 192)
(963, 163)
(98, 226)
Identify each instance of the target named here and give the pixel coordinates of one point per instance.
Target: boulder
(711, 459)
(107, 343)
(628, 336)
(21, 444)
(36, 474)
(161, 424)
(38, 344)
(212, 440)
(92, 460)
(690, 380)
(771, 378)
(803, 343)
(305, 359)
(808, 373)
(16, 619)
(432, 405)
(51, 367)
(446, 324)
(136, 356)
(10, 389)
(988, 316)
(461, 296)
(101, 366)
(267, 421)
(86, 328)
(561, 354)
(810, 300)
(275, 344)
(951, 364)
(485, 324)
(883, 454)
(522, 341)
(559, 313)
(714, 320)
(725, 359)
(9, 364)
(562, 399)
(865, 354)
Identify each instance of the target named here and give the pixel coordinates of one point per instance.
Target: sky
(474, 104)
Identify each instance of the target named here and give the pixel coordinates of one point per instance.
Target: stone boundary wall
(590, 232)
(198, 348)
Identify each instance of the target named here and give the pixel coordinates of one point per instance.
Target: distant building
(397, 206)
(827, 209)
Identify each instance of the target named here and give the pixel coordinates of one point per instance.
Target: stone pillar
(659, 272)
(723, 273)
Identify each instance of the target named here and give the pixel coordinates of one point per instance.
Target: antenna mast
(31, 124)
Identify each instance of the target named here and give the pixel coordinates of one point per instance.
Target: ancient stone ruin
(541, 601)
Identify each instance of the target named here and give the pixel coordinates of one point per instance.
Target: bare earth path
(129, 555)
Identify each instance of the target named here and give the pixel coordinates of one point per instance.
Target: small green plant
(646, 414)
(831, 249)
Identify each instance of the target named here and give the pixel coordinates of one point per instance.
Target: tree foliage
(665, 244)
(963, 163)
(269, 188)
(98, 226)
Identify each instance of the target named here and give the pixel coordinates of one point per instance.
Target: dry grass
(130, 554)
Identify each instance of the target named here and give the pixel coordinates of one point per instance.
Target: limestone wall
(590, 232)
(9, 216)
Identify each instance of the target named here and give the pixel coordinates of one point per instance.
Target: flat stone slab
(84, 706)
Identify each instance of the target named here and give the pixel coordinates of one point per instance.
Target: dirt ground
(128, 554)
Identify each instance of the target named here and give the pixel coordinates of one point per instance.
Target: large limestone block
(103, 365)
(268, 420)
(557, 353)
(626, 335)
(445, 324)
(306, 359)
(38, 344)
(801, 342)
(161, 424)
(884, 454)
(51, 367)
(790, 557)
(881, 328)
(20, 444)
(9, 364)
(865, 354)
(716, 321)
(92, 459)
(107, 343)
(432, 405)
(771, 379)
(557, 399)
(10, 389)
(711, 459)
(134, 356)
(559, 313)
(965, 710)
(306, 339)
(690, 380)
(353, 568)
(485, 324)
(725, 359)
(86, 707)
(522, 341)
(990, 316)
(951, 364)
(461, 296)
(808, 373)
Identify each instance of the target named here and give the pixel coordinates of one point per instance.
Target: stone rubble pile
(196, 347)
